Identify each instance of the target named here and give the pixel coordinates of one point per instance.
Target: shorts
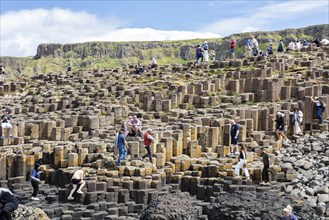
(232, 50)
(75, 181)
(6, 125)
(280, 129)
(234, 141)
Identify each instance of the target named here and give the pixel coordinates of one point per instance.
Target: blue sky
(25, 24)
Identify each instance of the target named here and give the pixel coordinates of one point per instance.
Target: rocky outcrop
(29, 213)
(254, 205)
(170, 207)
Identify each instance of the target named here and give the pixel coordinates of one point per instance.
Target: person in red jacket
(232, 47)
(148, 139)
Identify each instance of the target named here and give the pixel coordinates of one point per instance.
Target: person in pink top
(135, 126)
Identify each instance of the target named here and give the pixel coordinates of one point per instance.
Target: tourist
(270, 49)
(305, 44)
(135, 126)
(35, 181)
(254, 46)
(232, 47)
(148, 140)
(154, 63)
(316, 42)
(198, 54)
(280, 127)
(205, 51)
(266, 163)
(127, 125)
(242, 162)
(122, 146)
(124, 156)
(235, 132)
(298, 46)
(77, 179)
(297, 119)
(319, 108)
(247, 48)
(324, 42)
(287, 214)
(8, 204)
(69, 66)
(139, 68)
(280, 47)
(291, 46)
(213, 54)
(2, 75)
(5, 124)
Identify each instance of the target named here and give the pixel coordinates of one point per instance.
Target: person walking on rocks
(235, 132)
(148, 140)
(77, 179)
(198, 54)
(35, 181)
(297, 119)
(266, 163)
(254, 46)
(206, 51)
(5, 124)
(122, 145)
(8, 204)
(287, 214)
(248, 50)
(280, 127)
(319, 108)
(242, 162)
(280, 47)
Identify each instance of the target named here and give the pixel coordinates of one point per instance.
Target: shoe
(35, 198)
(237, 152)
(267, 184)
(286, 142)
(70, 198)
(262, 183)
(279, 141)
(154, 166)
(79, 191)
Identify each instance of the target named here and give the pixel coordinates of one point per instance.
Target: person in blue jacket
(8, 204)
(35, 181)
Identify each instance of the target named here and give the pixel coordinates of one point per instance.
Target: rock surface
(29, 213)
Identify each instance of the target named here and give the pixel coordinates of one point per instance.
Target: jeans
(122, 152)
(198, 56)
(35, 186)
(319, 111)
(265, 174)
(149, 153)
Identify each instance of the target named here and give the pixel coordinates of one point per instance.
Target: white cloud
(262, 17)
(22, 31)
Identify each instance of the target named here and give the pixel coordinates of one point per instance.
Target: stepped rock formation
(69, 120)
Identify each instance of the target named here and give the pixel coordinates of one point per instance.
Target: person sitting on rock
(242, 162)
(148, 140)
(35, 181)
(297, 119)
(122, 145)
(316, 42)
(135, 127)
(235, 131)
(77, 179)
(270, 49)
(198, 54)
(324, 42)
(280, 127)
(8, 204)
(154, 63)
(298, 46)
(319, 108)
(5, 124)
(287, 214)
(305, 44)
(280, 47)
(266, 163)
(291, 46)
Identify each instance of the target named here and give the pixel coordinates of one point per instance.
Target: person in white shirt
(298, 45)
(297, 119)
(205, 51)
(254, 45)
(291, 45)
(242, 162)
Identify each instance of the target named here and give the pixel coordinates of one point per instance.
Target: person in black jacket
(8, 204)
(280, 127)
